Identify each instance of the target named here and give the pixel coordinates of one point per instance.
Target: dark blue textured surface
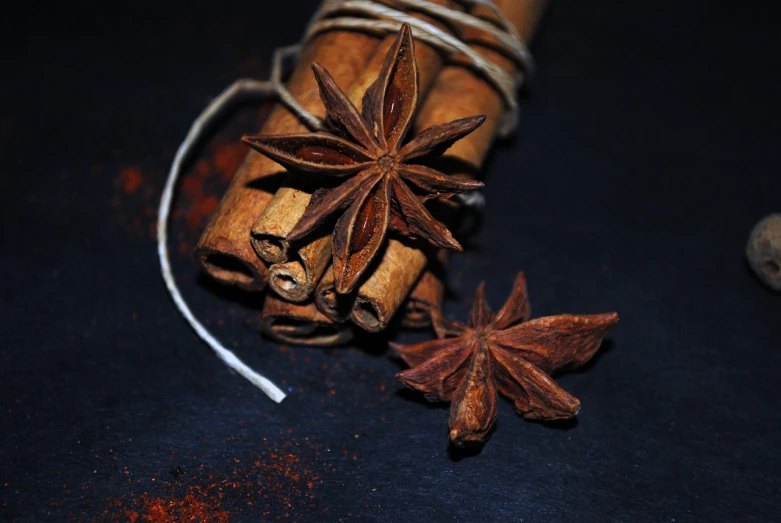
(646, 151)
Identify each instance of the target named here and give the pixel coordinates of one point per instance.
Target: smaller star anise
(501, 353)
(382, 189)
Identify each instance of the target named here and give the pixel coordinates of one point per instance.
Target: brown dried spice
(502, 353)
(366, 148)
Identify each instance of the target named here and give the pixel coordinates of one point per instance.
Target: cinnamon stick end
(270, 248)
(229, 269)
(290, 281)
(368, 315)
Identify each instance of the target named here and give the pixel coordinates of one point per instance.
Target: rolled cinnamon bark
(380, 296)
(224, 250)
(459, 92)
(427, 295)
(296, 273)
(301, 324)
(296, 279)
(334, 305)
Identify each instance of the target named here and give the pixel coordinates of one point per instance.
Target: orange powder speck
(130, 179)
(228, 158)
(137, 188)
(201, 211)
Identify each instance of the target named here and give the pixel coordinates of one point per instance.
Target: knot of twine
(335, 14)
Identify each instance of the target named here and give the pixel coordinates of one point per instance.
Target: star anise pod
(502, 353)
(382, 188)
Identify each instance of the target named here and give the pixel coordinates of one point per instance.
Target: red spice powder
(130, 179)
(228, 158)
(194, 506)
(137, 188)
(277, 482)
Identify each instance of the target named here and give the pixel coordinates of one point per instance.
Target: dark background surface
(647, 149)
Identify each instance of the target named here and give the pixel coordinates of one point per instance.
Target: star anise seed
(367, 149)
(469, 365)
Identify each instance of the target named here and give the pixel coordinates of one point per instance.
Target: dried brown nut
(764, 250)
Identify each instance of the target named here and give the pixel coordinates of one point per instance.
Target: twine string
(382, 19)
(226, 99)
(386, 20)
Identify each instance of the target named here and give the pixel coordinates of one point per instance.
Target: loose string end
(236, 91)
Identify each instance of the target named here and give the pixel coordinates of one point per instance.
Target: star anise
(502, 353)
(367, 149)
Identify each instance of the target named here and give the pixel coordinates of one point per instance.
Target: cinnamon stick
(428, 295)
(224, 250)
(295, 274)
(301, 324)
(334, 305)
(380, 296)
(459, 92)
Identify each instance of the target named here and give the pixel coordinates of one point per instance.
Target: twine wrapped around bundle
(470, 55)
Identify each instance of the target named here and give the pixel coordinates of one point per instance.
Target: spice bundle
(348, 225)
(335, 222)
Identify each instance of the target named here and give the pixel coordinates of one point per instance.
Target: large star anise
(502, 353)
(367, 148)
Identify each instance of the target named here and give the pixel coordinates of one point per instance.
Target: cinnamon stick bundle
(353, 59)
(458, 92)
(306, 323)
(295, 272)
(224, 250)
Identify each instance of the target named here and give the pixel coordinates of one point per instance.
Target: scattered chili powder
(227, 159)
(277, 482)
(130, 179)
(137, 188)
(194, 506)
